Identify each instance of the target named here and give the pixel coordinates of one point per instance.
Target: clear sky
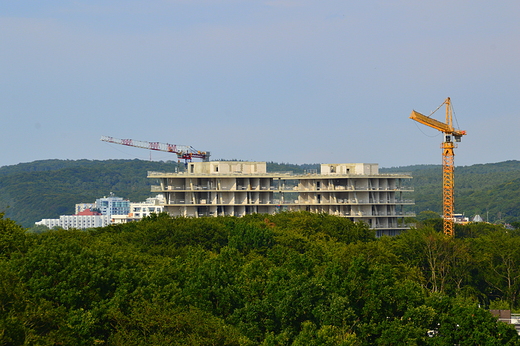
(287, 81)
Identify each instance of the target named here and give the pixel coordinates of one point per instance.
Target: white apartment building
(83, 220)
(110, 209)
(356, 191)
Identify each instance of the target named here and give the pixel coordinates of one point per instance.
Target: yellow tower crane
(451, 135)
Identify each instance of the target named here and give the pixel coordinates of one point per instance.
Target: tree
(462, 322)
(156, 324)
(499, 258)
(12, 238)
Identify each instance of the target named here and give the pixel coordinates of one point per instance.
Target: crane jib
(182, 151)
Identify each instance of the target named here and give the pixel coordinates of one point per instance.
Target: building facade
(113, 205)
(106, 211)
(356, 191)
(152, 205)
(83, 220)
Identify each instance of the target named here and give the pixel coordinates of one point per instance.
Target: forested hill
(490, 190)
(49, 188)
(46, 189)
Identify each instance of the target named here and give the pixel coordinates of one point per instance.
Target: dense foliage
(49, 188)
(285, 279)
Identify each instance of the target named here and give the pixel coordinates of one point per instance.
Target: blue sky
(284, 81)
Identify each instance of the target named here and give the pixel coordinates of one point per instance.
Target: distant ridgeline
(49, 188)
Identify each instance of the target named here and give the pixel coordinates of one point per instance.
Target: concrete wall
(226, 167)
(350, 168)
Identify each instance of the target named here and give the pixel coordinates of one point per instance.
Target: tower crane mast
(451, 135)
(184, 152)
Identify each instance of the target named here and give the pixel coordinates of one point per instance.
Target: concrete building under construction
(353, 190)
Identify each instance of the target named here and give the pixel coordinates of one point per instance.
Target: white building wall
(50, 223)
(140, 210)
(350, 168)
(76, 221)
(152, 205)
(226, 167)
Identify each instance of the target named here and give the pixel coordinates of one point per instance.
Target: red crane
(185, 152)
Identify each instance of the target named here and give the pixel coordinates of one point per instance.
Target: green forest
(284, 279)
(32, 191)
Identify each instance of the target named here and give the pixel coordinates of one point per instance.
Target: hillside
(489, 190)
(49, 188)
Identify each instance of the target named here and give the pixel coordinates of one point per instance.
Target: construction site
(357, 191)
(228, 188)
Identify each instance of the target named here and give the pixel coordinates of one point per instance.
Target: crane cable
(455, 117)
(161, 158)
(424, 133)
(442, 104)
(438, 133)
(127, 153)
(452, 112)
